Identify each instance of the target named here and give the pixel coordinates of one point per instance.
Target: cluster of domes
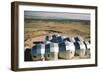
(60, 47)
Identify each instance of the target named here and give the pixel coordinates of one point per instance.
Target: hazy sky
(56, 15)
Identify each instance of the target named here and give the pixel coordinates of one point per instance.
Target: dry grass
(37, 30)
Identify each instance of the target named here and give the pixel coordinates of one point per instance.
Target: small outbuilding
(66, 50)
(51, 51)
(87, 44)
(38, 52)
(27, 54)
(80, 48)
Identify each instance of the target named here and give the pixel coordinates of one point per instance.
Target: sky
(56, 15)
